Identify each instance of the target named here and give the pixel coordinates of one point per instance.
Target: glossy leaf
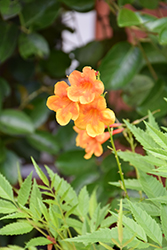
(9, 9)
(9, 167)
(72, 162)
(15, 122)
(9, 33)
(123, 58)
(153, 4)
(135, 92)
(154, 101)
(39, 113)
(43, 141)
(163, 36)
(90, 54)
(56, 64)
(33, 44)
(34, 12)
(127, 18)
(82, 5)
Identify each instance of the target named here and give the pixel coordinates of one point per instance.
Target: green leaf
(6, 191)
(149, 5)
(40, 11)
(83, 202)
(9, 9)
(34, 204)
(89, 54)
(67, 162)
(137, 90)
(154, 54)
(7, 207)
(123, 58)
(33, 44)
(38, 241)
(149, 207)
(4, 89)
(144, 138)
(56, 64)
(157, 25)
(123, 2)
(127, 18)
(133, 184)
(135, 228)
(163, 36)
(76, 224)
(24, 190)
(15, 122)
(9, 33)
(39, 113)
(136, 160)
(61, 186)
(9, 167)
(163, 219)
(154, 101)
(157, 152)
(159, 137)
(150, 226)
(41, 175)
(19, 215)
(43, 141)
(45, 19)
(95, 220)
(92, 203)
(16, 228)
(152, 121)
(151, 186)
(82, 5)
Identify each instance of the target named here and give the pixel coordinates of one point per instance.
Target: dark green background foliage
(32, 61)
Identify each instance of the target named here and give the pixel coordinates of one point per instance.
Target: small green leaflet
(164, 219)
(16, 228)
(39, 241)
(159, 137)
(83, 202)
(7, 207)
(6, 191)
(133, 184)
(150, 226)
(40, 173)
(24, 191)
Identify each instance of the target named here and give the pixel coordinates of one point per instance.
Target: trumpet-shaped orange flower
(93, 117)
(92, 145)
(65, 108)
(84, 86)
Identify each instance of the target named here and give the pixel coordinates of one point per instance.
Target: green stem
(118, 163)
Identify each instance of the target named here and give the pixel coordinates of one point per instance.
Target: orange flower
(94, 116)
(65, 108)
(84, 86)
(92, 145)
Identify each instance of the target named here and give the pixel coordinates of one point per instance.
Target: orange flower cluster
(84, 103)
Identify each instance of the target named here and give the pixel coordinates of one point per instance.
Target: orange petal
(53, 103)
(108, 117)
(94, 130)
(62, 117)
(60, 88)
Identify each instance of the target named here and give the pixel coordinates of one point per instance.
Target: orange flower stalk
(84, 86)
(59, 102)
(93, 117)
(92, 145)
